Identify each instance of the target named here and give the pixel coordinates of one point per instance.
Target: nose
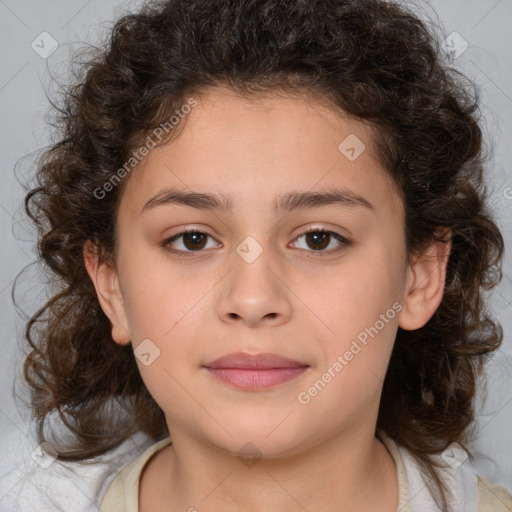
(255, 293)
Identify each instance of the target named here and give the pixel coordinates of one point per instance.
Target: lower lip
(256, 379)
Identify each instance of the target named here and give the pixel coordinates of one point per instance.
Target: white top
(472, 493)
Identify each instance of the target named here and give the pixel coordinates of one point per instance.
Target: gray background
(25, 75)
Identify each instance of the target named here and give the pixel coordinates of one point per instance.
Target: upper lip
(262, 361)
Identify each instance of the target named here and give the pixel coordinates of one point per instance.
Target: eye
(320, 239)
(193, 241)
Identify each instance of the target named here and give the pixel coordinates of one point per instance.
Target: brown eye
(191, 241)
(319, 239)
(187, 242)
(194, 240)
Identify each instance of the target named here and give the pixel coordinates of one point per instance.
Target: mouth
(255, 372)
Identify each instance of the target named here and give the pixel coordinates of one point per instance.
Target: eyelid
(342, 240)
(166, 243)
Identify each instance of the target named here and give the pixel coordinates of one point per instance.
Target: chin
(262, 439)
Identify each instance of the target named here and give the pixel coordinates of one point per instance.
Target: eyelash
(319, 254)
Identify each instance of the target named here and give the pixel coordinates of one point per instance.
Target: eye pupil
(318, 237)
(317, 240)
(196, 240)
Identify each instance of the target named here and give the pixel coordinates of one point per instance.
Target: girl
(267, 222)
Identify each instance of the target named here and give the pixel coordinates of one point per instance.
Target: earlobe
(425, 283)
(106, 283)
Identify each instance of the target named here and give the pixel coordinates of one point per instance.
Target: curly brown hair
(373, 59)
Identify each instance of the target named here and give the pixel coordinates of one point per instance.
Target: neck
(352, 471)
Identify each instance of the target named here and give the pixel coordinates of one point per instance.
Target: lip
(255, 371)
(262, 361)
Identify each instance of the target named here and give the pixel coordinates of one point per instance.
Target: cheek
(161, 298)
(167, 308)
(168, 311)
(354, 295)
(358, 306)
(361, 315)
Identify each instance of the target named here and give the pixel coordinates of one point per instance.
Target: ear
(425, 283)
(106, 282)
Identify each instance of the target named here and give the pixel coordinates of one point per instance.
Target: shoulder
(493, 498)
(469, 491)
(123, 492)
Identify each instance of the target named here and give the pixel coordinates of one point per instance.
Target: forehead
(248, 147)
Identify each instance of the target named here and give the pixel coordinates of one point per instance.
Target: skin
(291, 300)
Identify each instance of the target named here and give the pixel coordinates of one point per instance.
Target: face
(249, 280)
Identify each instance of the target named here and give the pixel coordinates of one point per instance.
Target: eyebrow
(283, 203)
